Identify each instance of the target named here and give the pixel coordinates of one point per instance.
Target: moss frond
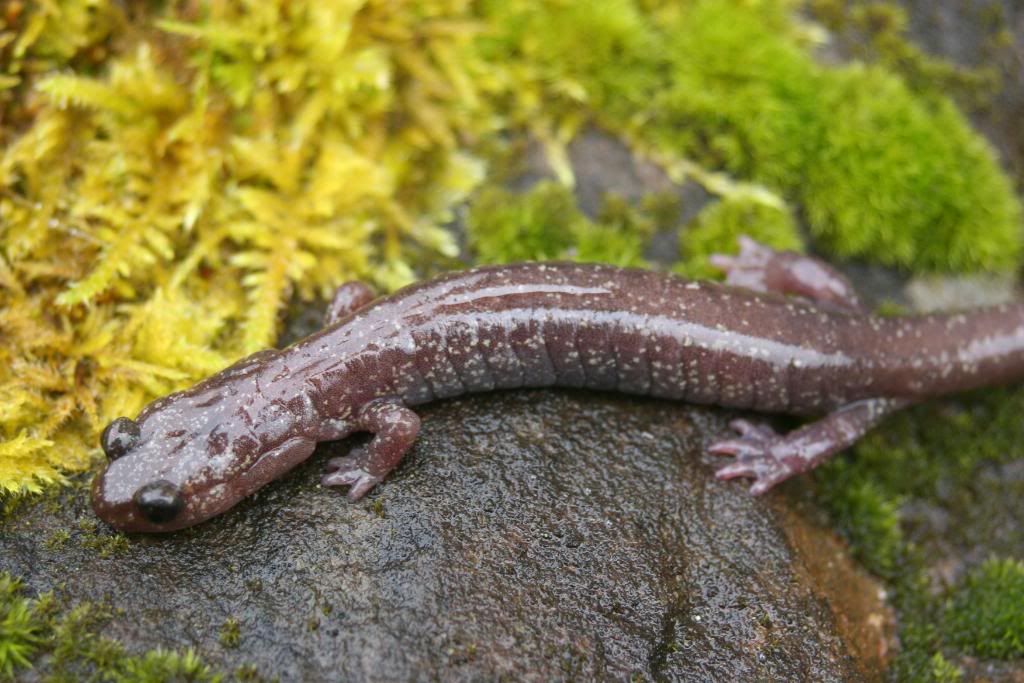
(21, 628)
(87, 93)
(25, 464)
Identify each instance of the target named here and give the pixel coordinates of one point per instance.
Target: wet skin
(784, 334)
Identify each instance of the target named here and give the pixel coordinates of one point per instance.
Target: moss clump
(741, 93)
(853, 146)
(67, 645)
(171, 174)
(735, 86)
(906, 181)
(718, 227)
(986, 614)
(106, 542)
(545, 223)
(869, 517)
(22, 627)
(160, 665)
(230, 633)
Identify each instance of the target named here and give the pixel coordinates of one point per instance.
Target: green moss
(906, 182)
(65, 643)
(545, 223)
(570, 53)
(986, 614)
(881, 170)
(869, 517)
(105, 542)
(57, 539)
(230, 633)
(741, 93)
(944, 671)
(919, 450)
(108, 544)
(22, 627)
(916, 456)
(718, 227)
(158, 666)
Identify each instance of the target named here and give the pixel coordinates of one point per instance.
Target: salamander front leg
(763, 269)
(772, 458)
(348, 298)
(394, 428)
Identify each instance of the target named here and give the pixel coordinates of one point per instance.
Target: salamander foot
(352, 470)
(763, 269)
(771, 458)
(749, 268)
(758, 453)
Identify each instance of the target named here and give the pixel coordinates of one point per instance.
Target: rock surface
(540, 535)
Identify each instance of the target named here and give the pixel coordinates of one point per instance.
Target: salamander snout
(135, 492)
(159, 502)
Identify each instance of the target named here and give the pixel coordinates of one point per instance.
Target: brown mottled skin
(745, 344)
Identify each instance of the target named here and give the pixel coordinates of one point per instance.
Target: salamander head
(192, 455)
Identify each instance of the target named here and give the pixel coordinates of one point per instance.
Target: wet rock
(533, 535)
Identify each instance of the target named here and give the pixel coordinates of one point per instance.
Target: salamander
(784, 333)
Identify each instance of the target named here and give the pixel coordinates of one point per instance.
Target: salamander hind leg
(348, 298)
(771, 458)
(763, 269)
(394, 428)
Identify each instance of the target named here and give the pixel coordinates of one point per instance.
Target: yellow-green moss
(943, 671)
(172, 176)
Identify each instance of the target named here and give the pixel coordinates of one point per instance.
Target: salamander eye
(160, 501)
(119, 437)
